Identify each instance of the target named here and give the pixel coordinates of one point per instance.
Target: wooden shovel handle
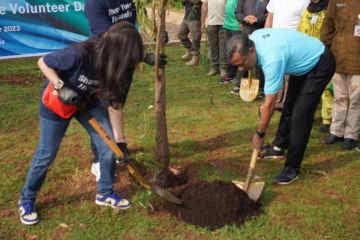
(251, 169)
(114, 147)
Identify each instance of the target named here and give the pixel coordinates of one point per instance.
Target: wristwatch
(260, 134)
(58, 85)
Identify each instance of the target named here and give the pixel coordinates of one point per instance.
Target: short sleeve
(274, 74)
(97, 17)
(270, 6)
(63, 60)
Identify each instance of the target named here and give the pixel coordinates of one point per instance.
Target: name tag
(357, 31)
(314, 19)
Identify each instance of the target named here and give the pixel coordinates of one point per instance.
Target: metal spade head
(165, 194)
(254, 191)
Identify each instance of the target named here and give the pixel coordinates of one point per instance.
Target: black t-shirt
(101, 14)
(192, 10)
(77, 73)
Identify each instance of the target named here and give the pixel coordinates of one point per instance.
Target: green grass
(208, 128)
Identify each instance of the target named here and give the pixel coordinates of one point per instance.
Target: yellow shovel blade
(249, 89)
(254, 191)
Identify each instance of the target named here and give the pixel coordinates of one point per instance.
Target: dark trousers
(302, 98)
(232, 70)
(217, 45)
(194, 29)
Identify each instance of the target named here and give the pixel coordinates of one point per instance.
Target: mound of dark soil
(212, 205)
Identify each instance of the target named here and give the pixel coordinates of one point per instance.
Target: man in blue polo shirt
(310, 65)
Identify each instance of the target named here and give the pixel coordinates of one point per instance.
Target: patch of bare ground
(19, 79)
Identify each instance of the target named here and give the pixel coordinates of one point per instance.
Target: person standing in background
(252, 15)
(191, 24)
(341, 32)
(310, 23)
(214, 11)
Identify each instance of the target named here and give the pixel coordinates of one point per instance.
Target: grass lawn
(209, 131)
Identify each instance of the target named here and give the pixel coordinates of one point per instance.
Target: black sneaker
(349, 143)
(268, 152)
(331, 139)
(260, 96)
(235, 90)
(287, 175)
(324, 128)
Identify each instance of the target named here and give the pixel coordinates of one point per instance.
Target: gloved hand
(150, 59)
(68, 96)
(126, 158)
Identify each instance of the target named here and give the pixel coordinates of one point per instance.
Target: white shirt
(216, 9)
(287, 13)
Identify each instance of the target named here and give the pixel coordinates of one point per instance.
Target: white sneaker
(95, 169)
(28, 213)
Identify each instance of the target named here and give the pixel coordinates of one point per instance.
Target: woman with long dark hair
(98, 72)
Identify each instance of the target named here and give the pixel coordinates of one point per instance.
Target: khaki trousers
(346, 109)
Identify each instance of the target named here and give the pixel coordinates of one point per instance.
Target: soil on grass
(212, 205)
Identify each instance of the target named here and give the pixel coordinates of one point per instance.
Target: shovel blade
(249, 89)
(255, 189)
(165, 194)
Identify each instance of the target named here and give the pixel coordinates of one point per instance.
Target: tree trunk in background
(162, 144)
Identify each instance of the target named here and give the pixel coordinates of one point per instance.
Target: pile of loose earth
(212, 205)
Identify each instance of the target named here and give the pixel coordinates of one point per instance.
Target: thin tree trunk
(162, 145)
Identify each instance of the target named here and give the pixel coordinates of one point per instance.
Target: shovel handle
(251, 169)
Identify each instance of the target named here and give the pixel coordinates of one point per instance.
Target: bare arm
(204, 12)
(267, 111)
(49, 73)
(117, 123)
(269, 20)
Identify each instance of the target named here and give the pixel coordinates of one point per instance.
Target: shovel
(255, 189)
(130, 167)
(249, 88)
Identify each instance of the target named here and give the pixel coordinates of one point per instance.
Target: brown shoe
(187, 55)
(213, 72)
(194, 61)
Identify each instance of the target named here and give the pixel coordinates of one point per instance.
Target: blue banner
(36, 27)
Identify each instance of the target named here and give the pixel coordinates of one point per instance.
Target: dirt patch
(212, 205)
(18, 79)
(178, 176)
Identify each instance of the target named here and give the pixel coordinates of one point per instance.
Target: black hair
(115, 57)
(240, 43)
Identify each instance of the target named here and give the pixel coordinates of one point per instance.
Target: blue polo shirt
(101, 14)
(284, 51)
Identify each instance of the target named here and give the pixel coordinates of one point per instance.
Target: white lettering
(78, 6)
(2, 10)
(13, 8)
(125, 6)
(54, 8)
(2, 41)
(61, 8)
(47, 8)
(21, 9)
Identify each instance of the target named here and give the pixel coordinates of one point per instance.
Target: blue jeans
(52, 132)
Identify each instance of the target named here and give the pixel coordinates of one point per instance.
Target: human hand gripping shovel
(130, 167)
(255, 189)
(249, 88)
